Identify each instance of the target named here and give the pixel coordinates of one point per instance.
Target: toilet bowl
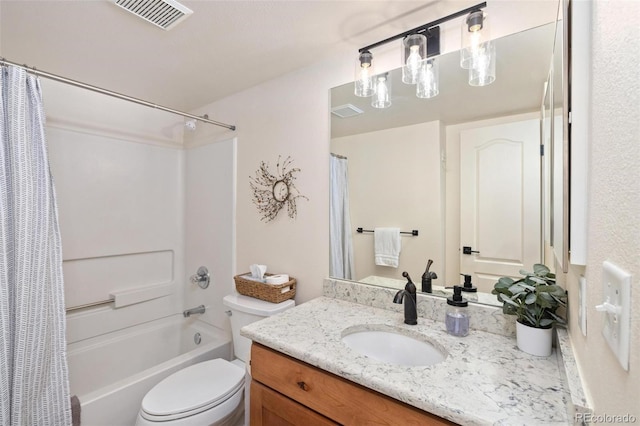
(210, 392)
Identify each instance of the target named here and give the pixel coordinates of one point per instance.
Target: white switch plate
(616, 308)
(582, 304)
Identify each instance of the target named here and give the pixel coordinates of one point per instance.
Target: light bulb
(413, 63)
(483, 69)
(428, 85)
(414, 51)
(381, 98)
(364, 84)
(474, 33)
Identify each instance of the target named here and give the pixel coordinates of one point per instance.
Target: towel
(387, 246)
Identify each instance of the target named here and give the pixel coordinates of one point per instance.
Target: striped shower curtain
(34, 385)
(341, 264)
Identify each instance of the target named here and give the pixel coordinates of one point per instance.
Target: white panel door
(500, 201)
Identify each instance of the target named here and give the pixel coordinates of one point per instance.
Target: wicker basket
(269, 292)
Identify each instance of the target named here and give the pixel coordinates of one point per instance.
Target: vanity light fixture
(420, 46)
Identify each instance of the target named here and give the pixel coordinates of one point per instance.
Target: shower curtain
(341, 244)
(34, 385)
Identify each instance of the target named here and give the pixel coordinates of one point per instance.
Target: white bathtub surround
(112, 373)
(33, 366)
(485, 379)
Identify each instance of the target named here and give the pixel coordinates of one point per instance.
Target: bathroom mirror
(407, 167)
(560, 145)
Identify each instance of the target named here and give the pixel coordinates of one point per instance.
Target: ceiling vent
(345, 111)
(165, 14)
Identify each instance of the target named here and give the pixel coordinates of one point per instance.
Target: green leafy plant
(533, 299)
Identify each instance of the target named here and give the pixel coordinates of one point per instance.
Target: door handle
(468, 250)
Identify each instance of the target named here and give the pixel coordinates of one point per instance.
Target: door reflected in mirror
(463, 168)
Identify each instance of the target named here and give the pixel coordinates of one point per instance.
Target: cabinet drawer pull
(303, 386)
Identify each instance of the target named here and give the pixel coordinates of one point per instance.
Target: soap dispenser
(457, 318)
(468, 286)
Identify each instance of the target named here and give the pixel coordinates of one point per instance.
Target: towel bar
(413, 232)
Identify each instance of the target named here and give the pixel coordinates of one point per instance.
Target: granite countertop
(485, 379)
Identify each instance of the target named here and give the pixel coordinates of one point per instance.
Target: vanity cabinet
(286, 391)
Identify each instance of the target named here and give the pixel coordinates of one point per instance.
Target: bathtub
(111, 373)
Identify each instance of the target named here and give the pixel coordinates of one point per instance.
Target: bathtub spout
(199, 310)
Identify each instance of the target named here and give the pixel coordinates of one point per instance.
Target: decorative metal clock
(272, 192)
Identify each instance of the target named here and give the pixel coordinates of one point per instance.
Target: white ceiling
(223, 48)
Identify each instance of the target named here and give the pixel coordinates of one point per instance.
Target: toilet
(210, 392)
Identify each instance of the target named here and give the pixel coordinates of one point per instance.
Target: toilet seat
(193, 390)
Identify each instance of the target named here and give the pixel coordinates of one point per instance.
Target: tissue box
(274, 293)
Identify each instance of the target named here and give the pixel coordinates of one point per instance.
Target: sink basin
(393, 348)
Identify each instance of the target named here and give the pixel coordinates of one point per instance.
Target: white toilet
(210, 392)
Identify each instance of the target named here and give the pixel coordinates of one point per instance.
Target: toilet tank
(246, 310)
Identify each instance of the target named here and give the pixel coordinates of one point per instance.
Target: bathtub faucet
(199, 310)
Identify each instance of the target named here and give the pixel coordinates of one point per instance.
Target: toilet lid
(194, 388)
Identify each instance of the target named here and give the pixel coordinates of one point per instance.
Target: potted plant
(534, 300)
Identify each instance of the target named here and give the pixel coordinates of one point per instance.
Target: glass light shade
(364, 80)
(428, 85)
(483, 69)
(382, 95)
(475, 32)
(414, 51)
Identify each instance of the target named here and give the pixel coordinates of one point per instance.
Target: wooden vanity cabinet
(286, 391)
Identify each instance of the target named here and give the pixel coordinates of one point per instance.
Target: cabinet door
(334, 397)
(269, 408)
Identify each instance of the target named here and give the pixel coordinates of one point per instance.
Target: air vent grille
(165, 14)
(348, 110)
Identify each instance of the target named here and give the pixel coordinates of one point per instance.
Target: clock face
(280, 191)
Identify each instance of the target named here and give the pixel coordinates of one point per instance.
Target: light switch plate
(616, 308)
(582, 304)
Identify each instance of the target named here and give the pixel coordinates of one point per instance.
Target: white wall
(284, 117)
(614, 203)
(382, 199)
(210, 226)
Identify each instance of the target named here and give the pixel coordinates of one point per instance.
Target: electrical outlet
(582, 304)
(616, 307)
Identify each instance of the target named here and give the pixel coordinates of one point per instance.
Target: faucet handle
(201, 277)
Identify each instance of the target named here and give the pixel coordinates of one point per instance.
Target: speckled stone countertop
(484, 380)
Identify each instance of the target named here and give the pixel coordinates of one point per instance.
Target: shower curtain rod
(113, 94)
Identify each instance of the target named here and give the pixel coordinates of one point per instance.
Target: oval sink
(393, 348)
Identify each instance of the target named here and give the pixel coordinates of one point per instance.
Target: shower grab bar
(89, 305)
(130, 296)
(413, 232)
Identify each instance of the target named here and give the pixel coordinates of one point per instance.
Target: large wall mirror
(464, 169)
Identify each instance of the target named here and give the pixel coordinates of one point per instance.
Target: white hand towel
(387, 246)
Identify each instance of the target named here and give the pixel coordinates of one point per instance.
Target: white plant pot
(534, 341)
